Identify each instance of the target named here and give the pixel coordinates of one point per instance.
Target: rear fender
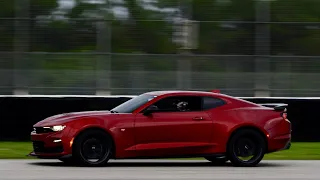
(247, 126)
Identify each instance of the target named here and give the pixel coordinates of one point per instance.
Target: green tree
(298, 37)
(8, 12)
(143, 33)
(216, 37)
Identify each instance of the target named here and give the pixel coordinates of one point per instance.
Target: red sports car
(165, 124)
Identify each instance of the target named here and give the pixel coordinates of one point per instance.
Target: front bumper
(49, 145)
(48, 156)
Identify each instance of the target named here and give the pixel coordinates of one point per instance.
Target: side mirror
(151, 109)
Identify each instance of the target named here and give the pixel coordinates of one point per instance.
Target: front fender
(79, 125)
(120, 129)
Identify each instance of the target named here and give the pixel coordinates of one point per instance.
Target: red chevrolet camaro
(166, 124)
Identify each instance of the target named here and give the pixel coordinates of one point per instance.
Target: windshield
(133, 104)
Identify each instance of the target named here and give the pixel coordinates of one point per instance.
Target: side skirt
(218, 155)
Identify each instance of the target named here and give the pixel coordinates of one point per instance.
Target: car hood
(66, 117)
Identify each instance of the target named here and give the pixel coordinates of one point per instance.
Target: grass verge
(15, 150)
(298, 151)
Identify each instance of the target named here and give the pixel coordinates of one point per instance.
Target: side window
(179, 104)
(210, 103)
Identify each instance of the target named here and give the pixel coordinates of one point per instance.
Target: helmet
(182, 106)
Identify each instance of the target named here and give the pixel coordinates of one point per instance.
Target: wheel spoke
(246, 149)
(94, 150)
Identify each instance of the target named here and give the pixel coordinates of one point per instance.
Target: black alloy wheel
(93, 148)
(246, 148)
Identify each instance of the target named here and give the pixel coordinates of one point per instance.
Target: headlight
(56, 128)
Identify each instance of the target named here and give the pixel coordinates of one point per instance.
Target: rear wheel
(92, 148)
(219, 161)
(246, 148)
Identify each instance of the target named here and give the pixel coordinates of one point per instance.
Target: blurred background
(125, 47)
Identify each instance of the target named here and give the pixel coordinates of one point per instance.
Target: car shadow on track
(154, 164)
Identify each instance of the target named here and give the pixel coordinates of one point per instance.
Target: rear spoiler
(276, 107)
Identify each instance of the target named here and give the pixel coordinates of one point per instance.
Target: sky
(122, 12)
(119, 11)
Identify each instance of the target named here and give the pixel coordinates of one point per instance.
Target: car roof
(180, 92)
(199, 93)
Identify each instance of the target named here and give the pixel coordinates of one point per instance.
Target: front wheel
(92, 148)
(246, 148)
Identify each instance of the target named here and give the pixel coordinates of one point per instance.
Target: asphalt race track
(157, 170)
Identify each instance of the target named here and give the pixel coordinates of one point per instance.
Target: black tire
(218, 161)
(96, 142)
(246, 142)
(68, 161)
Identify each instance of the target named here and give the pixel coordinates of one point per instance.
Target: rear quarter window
(211, 102)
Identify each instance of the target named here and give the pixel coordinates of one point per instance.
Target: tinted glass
(210, 102)
(171, 104)
(133, 104)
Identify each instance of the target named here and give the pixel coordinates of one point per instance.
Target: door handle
(198, 118)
